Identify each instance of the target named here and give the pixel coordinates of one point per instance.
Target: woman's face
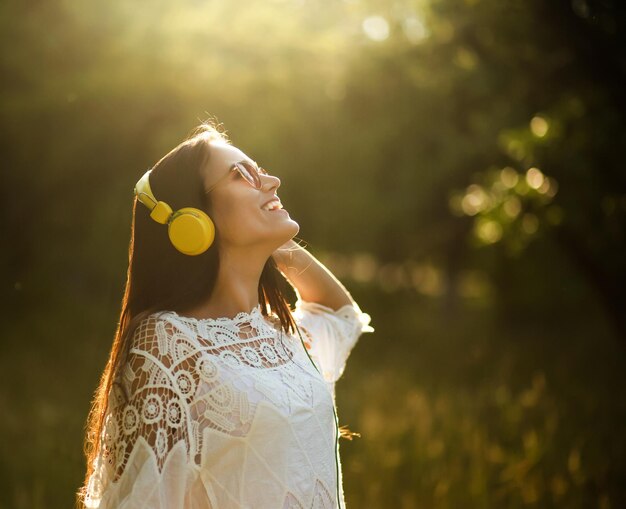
(236, 207)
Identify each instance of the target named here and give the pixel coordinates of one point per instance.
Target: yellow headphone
(191, 230)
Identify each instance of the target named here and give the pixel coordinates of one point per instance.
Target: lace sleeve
(330, 335)
(148, 445)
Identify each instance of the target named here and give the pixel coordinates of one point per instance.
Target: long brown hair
(161, 278)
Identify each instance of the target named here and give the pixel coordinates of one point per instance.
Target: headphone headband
(144, 192)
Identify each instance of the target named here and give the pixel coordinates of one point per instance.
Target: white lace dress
(225, 413)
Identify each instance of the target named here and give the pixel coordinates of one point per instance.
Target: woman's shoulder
(156, 330)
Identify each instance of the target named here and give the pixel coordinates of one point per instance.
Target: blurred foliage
(457, 163)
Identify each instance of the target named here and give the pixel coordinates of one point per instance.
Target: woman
(216, 394)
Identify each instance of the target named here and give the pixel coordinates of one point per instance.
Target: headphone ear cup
(191, 231)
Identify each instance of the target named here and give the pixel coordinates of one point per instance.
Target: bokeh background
(459, 165)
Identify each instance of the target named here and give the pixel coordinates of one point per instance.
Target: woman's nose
(270, 181)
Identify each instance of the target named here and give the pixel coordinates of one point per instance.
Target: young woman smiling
(216, 393)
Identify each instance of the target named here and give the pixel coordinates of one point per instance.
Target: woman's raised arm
(312, 281)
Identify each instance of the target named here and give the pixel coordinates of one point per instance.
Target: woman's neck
(236, 288)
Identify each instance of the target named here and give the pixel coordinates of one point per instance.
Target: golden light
(414, 29)
(544, 187)
(475, 200)
(534, 178)
(364, 267)
(338, 263)
(426, 279)
(376, 28)
(488, 230)
(553, 186)
(509, 177)
(539, 126)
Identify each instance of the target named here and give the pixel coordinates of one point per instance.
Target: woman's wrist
(311, 280)
(284, 255)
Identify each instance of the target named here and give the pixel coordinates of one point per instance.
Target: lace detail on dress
(170, 389)
(239, 383)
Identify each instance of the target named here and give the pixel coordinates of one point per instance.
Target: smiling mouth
(272, 206)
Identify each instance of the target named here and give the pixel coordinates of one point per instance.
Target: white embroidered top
(227, 413)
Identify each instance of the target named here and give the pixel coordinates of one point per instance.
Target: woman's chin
(291, 229)
(296, 226)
